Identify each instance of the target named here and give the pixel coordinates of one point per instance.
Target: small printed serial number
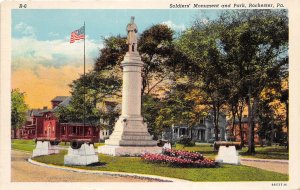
(21, 6)
(279, 184)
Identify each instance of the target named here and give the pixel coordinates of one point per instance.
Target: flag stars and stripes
(77, 35)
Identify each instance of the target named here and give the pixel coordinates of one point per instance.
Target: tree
(111, 55)
(258, 53)
(156, 48)
(18, 110)
(150, 111)
(200, 45)
(86, 95)
(177, 107)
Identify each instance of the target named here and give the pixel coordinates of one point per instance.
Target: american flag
(77, 35)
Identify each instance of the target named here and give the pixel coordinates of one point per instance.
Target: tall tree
(259, 53)
(156, 48)
(18, 110)
(201, 46)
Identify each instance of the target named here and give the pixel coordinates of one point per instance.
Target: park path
(280, 166)
(23, 171)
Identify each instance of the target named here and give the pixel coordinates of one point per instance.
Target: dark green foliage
(98, 87)
(18, 109)
(111, 54)
(186, 141)
(156, 48)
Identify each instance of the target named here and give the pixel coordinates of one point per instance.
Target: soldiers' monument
(130, 136)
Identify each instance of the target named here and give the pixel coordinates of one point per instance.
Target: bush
(186, 141)
(177, 158)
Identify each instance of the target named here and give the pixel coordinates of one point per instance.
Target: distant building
(57, 100)
(202, 132)
(42, 123)
(234, 132)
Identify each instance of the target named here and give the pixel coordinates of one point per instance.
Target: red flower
(179, 158)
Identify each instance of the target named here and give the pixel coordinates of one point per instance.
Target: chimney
(45, 108)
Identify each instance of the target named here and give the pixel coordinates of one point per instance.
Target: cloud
(28, 52)
(43, 69)
(25, 29)
(176, 27)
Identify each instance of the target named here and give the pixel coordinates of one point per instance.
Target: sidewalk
(280, 166)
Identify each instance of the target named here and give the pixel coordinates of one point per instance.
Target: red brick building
(42, 124)
(235, 132)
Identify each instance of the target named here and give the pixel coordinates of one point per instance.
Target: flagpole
(84, 87)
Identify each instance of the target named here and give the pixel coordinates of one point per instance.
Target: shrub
(186, 141)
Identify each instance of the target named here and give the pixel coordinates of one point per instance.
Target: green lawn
(29, 145)
(25, 145)
(136, 165)
(269, 152)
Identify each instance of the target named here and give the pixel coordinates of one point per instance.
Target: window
(202, 121)
(183, 131)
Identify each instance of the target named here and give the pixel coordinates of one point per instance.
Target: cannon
(76, 143)
(53, 141)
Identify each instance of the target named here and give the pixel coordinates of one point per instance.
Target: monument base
(128, 150)
(83, 156)
(228, 155)
(44, 148)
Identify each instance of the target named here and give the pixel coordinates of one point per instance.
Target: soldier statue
(131, 35)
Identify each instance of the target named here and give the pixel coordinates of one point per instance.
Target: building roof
(64, 103)
(36, 112)
(59, 98)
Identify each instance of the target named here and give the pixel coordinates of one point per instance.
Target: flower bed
(178, 158)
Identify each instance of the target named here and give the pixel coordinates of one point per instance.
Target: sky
(44, 62)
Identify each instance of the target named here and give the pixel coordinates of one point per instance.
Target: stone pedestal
(44, 148)
(130, 136)
(83, 156)
(228, 155)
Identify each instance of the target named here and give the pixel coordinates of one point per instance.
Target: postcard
(149, 94)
